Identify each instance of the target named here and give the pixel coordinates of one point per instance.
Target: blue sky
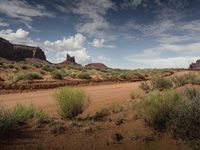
(119, 33)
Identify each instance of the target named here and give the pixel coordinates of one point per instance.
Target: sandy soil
(100, 96)
(75, 137)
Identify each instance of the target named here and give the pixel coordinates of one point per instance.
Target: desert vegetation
(26, 76)
(167, 110)
(58, 74)
(12, 72)
(159, 108)
(18, 114)
(71, 101)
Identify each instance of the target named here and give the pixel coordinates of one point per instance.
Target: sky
(119, 33)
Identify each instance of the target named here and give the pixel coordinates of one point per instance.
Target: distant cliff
(96, 65)
(70, 61)
(195, 65)
(19, 52)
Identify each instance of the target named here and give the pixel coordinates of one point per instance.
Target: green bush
(186, 121)
(180, 80)
(48, 68)
(190, 78)
(157, 109)
(140, 75)
(145, 86)
(24, 66)
(26, 76)
(100, 115)
(4, 120)
(84, 75)
(71, 101)
(21, 113)
(195, 79)
(161, 83)
(177, 112)
(126, 75)
(40, 117)
(57, 74)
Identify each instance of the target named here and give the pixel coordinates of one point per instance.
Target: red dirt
(100, 95)
(29, 137)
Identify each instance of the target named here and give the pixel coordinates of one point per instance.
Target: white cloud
(19, 37)
(170, 62)
(81, 56)
(98, 43)
(92, 14)
(192, 26)
(131, 3)
(183, 48)
(71, 43)
(158, 57)
(20, 9)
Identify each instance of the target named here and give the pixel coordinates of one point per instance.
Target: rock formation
(195, 65)
(19, 52)
(96, 65)
(70, 61)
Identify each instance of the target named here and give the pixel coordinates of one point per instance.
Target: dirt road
(100, 95)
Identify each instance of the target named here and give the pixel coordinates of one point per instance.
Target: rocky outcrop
(96, 65)
(19, 52)
(195, 65)
(70, 61)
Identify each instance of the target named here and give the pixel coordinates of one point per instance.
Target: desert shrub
(100, 115)
(140, 75)
(195, 79)
(47, 68)
(37, 65)
(161, 83)
(21, 113)
(145, 86)
(42, 72)
(40, 117)
(24, 66)
(186, 121)
(157, 109)
(4, 120)
(71, 101)
(177, 112)
(18, 114)
(73, 75)
(117, 109)
(180, 80)
(190, 78)
(126, 75)
(57, 74)
(186, 79)
(26, 76)
(11, 66)
(56, 127)
(84, 75)
(137, 94)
